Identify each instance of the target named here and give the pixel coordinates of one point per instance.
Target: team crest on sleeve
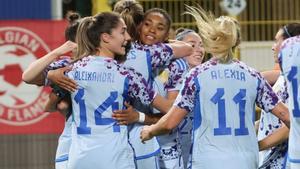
(20, 103)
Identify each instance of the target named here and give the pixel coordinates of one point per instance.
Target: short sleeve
(187, 94)
(282, 93)
(175, 78)
(56, 65)
(161, 55)
(139, 89)
(266, 97)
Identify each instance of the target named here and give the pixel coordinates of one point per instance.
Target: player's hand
(63, 107)
(58, 77)
(51, 103)
(65, 48)
(146, 134)
(172, 40)
(55, 103)
(127, 116)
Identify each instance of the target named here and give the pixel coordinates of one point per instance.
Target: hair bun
(72, 16)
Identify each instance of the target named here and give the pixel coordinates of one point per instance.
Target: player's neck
(104, 52)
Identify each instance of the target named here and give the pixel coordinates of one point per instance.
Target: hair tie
(127, 5)
(181, 35)
(286, 31)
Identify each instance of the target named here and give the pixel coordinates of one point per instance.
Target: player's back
(148, 58)
(98, 142)
(139, 59)
(290, 63)
(224, 135)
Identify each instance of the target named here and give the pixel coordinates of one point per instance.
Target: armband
(141, 117)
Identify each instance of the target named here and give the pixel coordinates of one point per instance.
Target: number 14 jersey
(98, 142)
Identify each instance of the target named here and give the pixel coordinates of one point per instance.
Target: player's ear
(105, 37)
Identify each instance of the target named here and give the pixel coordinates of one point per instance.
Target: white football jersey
(289, 59)
(223, 97)
(98, 142)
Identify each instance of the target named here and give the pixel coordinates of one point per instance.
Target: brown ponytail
(90, 29)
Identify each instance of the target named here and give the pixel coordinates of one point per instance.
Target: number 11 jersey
(223, 97)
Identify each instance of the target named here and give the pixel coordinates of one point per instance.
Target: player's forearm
(282, 112)
(271, 76)
(277, 137)
(36, 68)
(160, 128)
(181, 49)
(34, 73)
(169, 121)
(152, 118)
(162, 104)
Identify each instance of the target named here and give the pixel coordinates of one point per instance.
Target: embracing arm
(34, 73)
(162, 104)
(181, 49)
(282, 112)
(280, 135)
(130, 115)
(172, 95)
(271, 76)
(277, 137)
(58, 77)
(165, 124)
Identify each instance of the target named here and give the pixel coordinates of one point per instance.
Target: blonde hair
(219, 35)
(238, 30)
(85, 47)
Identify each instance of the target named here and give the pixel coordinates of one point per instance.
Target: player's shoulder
(127, 70)
(204, 67)
(180, 64)
(248, 69)
(290, 42)
(61, 62)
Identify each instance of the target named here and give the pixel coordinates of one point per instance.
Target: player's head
(70, 32)
(238, 29)
(219, 36)
(155, 26)
(133, 14)
(104, 34)
(287, 31)
(191, 37)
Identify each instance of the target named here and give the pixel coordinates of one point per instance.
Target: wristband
(141, 117)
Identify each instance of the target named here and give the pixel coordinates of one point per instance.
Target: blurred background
(31, 28)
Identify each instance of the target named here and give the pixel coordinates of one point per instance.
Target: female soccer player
(274, 155)
(289, 61)
(176, 73)
(103, 86)
(222, 93)
(147, 54)
(36, 74)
